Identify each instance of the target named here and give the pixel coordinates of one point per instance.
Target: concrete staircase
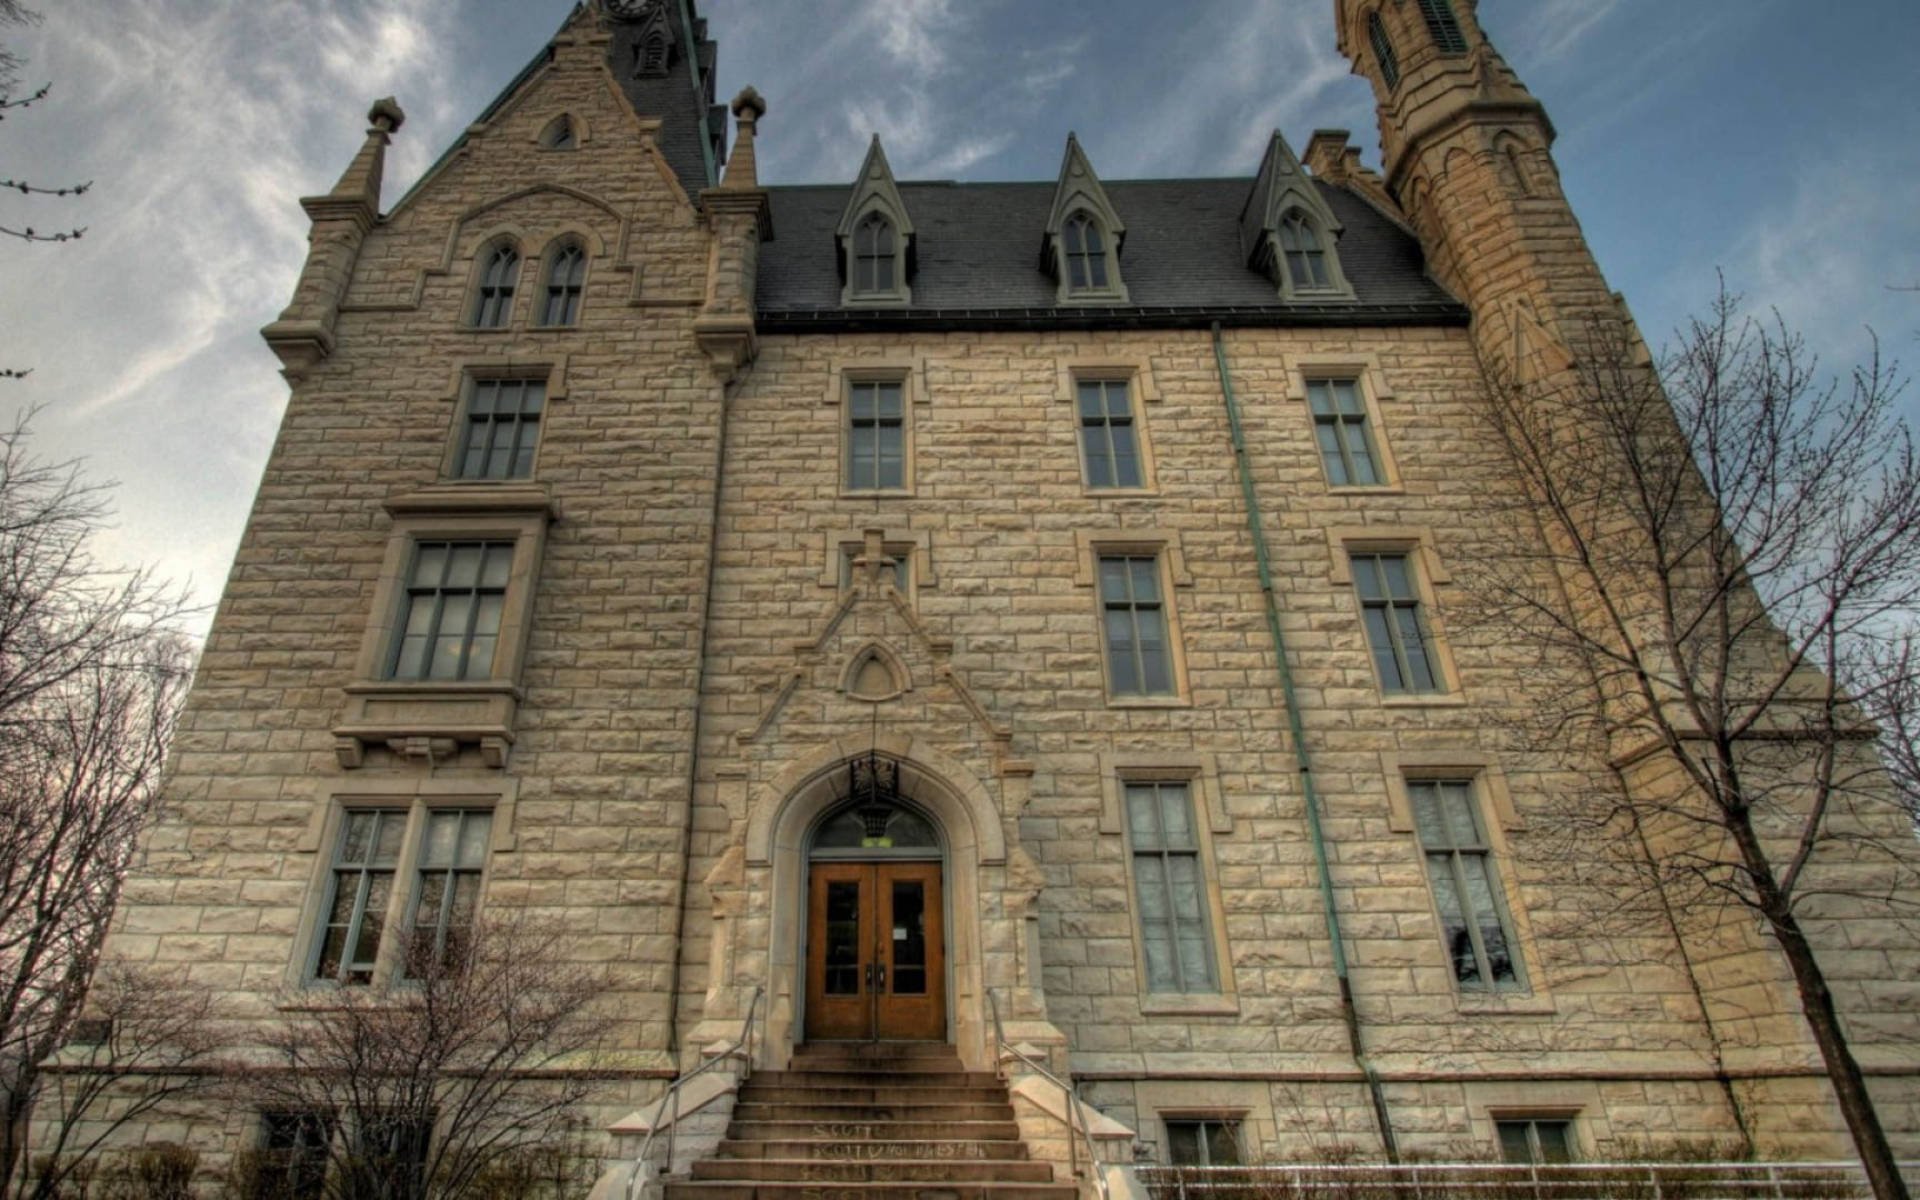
(872, 1121)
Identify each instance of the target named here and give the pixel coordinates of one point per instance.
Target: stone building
(922, 601)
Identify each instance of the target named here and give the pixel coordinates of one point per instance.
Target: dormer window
(1289, 230)
(875, 238)
(1086, 254)
(1305, 255)
(1084, 236)
(874, 268)
(1383, 51)
(1443, 26)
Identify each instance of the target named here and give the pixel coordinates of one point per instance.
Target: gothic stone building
(628, 510)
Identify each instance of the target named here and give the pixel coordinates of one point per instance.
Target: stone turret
(1468, 158)
(740, 219)
(303, 335)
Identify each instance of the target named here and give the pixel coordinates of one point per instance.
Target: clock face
(632, 10)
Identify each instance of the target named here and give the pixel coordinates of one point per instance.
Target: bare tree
(91, 679)
(476, 1059)
(1721, 574)
(13, 13)
(147, 1041)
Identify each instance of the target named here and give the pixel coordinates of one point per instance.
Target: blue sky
(1772, 139)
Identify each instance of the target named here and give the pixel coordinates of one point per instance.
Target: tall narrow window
(1535, 1141)
(1107, 442)
(1465, 888)
(1086, 254)
(1383, 51)
(502, 429)
(566, 278)
(1340, 427)
(1396, 629)
(876, 435)
(1139, 661)
(873, 256)
(360, 894)
(494, 305)
(452, 855)
(450, 624)
(1305, 253)
(1208, 1142)
(1443, 26)
(1170, 888)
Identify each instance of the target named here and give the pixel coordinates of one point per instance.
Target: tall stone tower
(1468, 158)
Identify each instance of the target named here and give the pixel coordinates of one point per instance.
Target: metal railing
(1076, 1118)
(672, 1095)
(1521, 1181)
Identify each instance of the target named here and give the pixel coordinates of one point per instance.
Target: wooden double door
(876, 951)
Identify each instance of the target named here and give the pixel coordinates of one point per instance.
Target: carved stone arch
(1458, 159)
(1512, 160)
(588, 239)
(588, 198)
(480, 261)
(780, 816)
(875, 673)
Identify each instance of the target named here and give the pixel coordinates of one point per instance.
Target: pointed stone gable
(1079, 188)
(1283, 187)
(874, 189)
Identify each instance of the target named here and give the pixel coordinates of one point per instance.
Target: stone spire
(739, 219)
(303, 335)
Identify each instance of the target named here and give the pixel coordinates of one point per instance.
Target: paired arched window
(1084, 248)
(1383, 51)
(560, 134)
(874, 261)
(1443, 26)
(493, 305)
(566, 278)
(1305, 253)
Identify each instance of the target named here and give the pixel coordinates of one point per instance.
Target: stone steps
(881, 1129)
(872, 1121)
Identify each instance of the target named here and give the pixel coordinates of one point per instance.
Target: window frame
(1569, 1120)
(485, 290)
(1425, 573)
(1375, 392)
(1368, 567)
(845, 381)
(1233, 1123)
(1161, 603)
(1488, 849)
(383, 817)
(573, 292)
(415, 800)
(1090, 546)
(283, 1186)
(450, 871)
(433, 718)
(460, 442)
(1136, 424)
(1199, 852)
(1086, 217)
(897, 291)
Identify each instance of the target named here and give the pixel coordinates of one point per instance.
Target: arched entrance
(876, 925)
(798, 801)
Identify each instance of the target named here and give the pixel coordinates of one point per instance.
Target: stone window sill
(1194, 1004)
(427, 720)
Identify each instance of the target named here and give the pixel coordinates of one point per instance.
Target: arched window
(494, 305)
(873, 256)
(566, 276)
(650, 56)
(1086, 254)
(1305, 253)
(559, 134)
(1383, 51)
(1443, 26)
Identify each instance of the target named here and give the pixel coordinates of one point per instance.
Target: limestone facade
(680, 685)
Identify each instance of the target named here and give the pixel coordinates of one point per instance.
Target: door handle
(880, 971)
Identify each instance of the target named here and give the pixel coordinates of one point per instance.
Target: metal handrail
(1433, 1181)
(673, 1094)
(1095, 1166)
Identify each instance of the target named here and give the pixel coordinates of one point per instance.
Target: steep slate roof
(979, 253)
(672, 97)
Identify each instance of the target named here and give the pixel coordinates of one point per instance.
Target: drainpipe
(1302, 759)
